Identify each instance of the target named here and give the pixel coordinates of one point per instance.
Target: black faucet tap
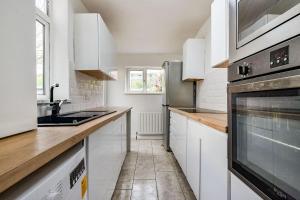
(56, 105)
(52, 92)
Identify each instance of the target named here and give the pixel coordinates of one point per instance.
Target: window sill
(142, 93)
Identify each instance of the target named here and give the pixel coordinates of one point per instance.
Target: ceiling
(151, 26)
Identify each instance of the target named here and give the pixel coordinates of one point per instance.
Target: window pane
(154, 80)
(40, 57)
(136, 81)
(42, 5)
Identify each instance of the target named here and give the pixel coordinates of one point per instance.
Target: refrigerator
(177, 94)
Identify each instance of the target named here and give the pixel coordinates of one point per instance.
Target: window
(144, 80)
(42, 24)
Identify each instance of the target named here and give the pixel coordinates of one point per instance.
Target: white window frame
(46, 21)
(144, 69)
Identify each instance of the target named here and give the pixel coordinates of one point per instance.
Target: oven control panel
(243, 69)
(279, 57)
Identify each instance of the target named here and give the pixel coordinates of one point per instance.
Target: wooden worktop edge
(13, 176)
(206, 120)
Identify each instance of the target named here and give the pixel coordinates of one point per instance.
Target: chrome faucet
(56, 105)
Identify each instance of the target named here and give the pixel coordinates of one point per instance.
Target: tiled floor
(149, 172)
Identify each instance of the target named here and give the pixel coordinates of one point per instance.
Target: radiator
(150, 123)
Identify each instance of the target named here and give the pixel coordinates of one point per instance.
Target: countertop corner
(217, 121)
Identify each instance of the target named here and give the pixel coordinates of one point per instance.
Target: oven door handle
(274, 84)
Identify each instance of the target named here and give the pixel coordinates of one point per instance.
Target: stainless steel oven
(264, 121)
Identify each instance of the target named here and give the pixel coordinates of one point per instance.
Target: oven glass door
(266, 140)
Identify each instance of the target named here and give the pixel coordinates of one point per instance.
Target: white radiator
(150, 123)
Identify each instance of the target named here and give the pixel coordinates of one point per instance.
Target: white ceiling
(151, 26)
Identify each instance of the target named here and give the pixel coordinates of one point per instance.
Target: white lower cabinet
(194, 157)
(205, 155)
(240, 190)
(106, 153)
(214, 167)
(178, 137)
(206, 161)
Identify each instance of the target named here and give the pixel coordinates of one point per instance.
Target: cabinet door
(105, 43)
(214, 170)
(193, 59)
(116, 149)
(182, 138)
(179, 129)
(105, 160)
(100, 160)
(194, 156)
(124, 137)
(94, 44)
(86, 39)
(219, 33)
(172, 133)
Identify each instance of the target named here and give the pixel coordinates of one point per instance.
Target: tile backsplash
(85, 93)
(212, 91)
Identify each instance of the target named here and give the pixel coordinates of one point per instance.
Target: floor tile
(144, 173)
(149, 172)
(124, 184)
(185, 187)
(159, 150)
(169, 195)
(167, 181)
(168, 186)
(121, 195)
(189, 195)
(126, 174)
(162, 163)
(144, 190)
(130, 160)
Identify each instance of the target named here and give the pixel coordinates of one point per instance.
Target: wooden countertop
(22, 154)
(213, 120)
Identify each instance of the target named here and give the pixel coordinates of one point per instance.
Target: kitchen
(150, 99)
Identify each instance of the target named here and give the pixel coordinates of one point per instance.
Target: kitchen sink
(71, 119)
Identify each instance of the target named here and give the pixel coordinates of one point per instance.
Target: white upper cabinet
(220, 33)
(193, 60)
(94, 46)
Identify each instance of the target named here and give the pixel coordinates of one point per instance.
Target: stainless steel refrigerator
(177, 94)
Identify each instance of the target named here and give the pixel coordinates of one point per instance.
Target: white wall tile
(212, 91)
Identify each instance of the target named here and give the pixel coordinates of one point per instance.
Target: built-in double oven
(264, 120)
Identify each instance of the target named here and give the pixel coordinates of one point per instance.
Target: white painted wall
(212, 91)
(140, 103)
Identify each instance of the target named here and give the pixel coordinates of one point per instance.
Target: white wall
(212, 91)
(140, 103)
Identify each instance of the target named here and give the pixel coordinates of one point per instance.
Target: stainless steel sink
(71, 119)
